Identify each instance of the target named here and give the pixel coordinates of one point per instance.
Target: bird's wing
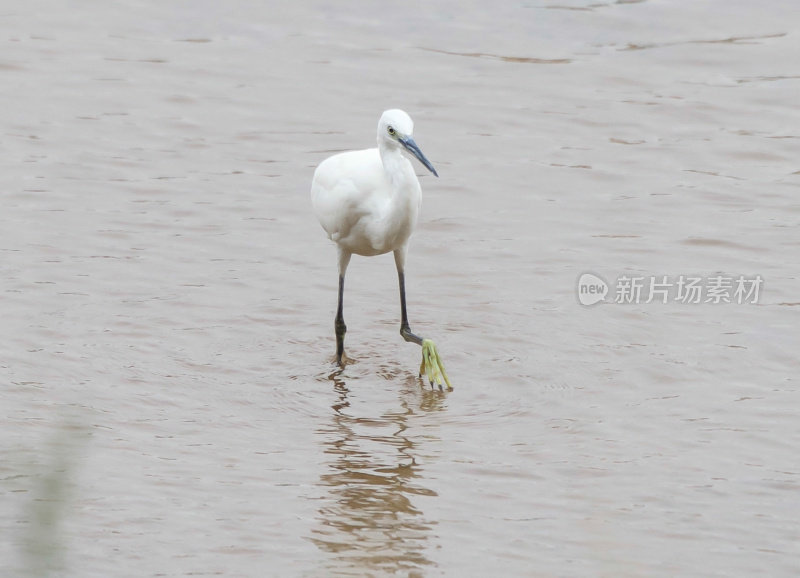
(343, 190)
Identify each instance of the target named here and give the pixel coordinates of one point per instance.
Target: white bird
(368, 202)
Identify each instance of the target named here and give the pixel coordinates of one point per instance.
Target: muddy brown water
(169, 406)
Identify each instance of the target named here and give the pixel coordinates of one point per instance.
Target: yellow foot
(432, 366)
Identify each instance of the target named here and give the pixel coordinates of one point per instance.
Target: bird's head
(396, 129)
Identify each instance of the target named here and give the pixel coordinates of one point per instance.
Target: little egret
(368, 202)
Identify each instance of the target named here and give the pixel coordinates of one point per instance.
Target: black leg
(341, 328)
(431, 363)
(405, 330)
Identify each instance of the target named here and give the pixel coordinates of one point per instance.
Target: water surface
(168, 399)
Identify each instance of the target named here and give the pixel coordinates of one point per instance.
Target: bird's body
(374, 210)
(368, 202)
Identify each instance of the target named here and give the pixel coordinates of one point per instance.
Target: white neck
(406, 195)
(398, 168)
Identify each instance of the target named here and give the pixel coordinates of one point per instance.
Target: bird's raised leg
(405, 329)
(339, 326)
(431, 366)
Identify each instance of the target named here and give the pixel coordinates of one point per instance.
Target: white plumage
(368, 202)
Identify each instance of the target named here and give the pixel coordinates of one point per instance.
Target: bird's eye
(391, 130)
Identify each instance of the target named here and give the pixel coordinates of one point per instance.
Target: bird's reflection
(371, 523)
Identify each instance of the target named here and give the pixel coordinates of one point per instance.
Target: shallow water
(169, 403)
